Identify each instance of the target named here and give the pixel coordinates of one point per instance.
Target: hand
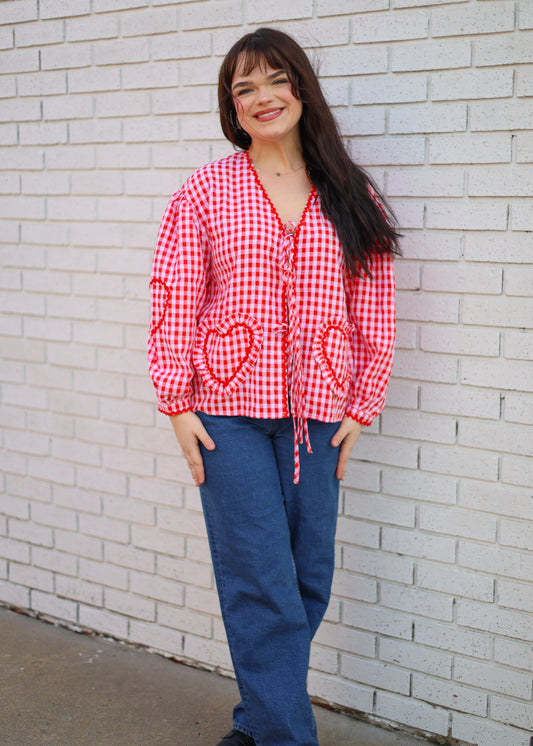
(189, 429)
(346, 436)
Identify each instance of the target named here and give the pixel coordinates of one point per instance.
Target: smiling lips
(267, 114)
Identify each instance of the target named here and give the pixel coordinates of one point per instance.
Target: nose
(264, 94)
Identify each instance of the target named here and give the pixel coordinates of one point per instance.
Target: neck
(277, 158)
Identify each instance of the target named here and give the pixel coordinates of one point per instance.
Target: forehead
(258, 62)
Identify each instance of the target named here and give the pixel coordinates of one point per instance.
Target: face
(265, 104)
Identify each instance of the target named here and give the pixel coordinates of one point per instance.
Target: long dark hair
(347, 194)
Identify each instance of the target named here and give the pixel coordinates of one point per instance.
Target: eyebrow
(244, 83)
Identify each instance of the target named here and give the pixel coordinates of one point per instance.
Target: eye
(243, 91)
(282, 81)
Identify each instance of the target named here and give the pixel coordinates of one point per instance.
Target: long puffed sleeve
(371, 308)
(178, 287)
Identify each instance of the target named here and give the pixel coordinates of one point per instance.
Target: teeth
(261, 116)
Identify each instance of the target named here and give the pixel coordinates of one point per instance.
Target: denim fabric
(272, 544)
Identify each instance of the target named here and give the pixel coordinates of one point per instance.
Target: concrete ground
(67, 689)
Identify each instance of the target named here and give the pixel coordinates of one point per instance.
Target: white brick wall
(105, 108)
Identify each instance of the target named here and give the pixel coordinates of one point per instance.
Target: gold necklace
(280, 173)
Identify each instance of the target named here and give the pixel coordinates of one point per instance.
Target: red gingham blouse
(253, 317)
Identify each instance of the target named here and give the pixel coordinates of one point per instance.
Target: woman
(270, 347)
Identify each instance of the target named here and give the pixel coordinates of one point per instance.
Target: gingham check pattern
(251, 317)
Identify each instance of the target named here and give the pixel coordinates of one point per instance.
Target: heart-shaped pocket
(331, 350)
(160, 300)
(226, 352)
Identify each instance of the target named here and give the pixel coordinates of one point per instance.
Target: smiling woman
(270, 348)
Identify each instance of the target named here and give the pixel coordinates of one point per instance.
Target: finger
(195, 462)
(204, 437)
(342, 463)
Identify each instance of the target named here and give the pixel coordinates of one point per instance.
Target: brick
(416, 601)
(94, 79)
(419, 486)
(63, 8)
(418, 544)
(147, 129)
(56, 562)
(369, 121)
(20, 61)
(354, 587)
(66, 57)
(489, 247)
(154, 539)
(450, 638)
(501, 312)
(512, 49)
(431, 55)
(210, 652)
(416, 658)
(376, 564)
(392, 27)
(429, 367)
(357, 532)
(201, 15)
(524, 86)
(374, 673)
(76, 590)
(277, 10)
(457, 522)
(502, 115)
(450, 695)
(338, 7)
(459, 340)
(470, 148)
(462, 278)
(331, 689)
(20, 110)
(32, 577)
(516, 654)
(515, 595)
(156, 588)
(50, 607)
(495, 560)
(518, 408)
(436, 307)
(377, 620)
(418, 426)
(500, 181)
(502, 437)
(73, 107)
(104, 6)
(13, 550)
(459, 462)
(414, 714)
(477, 730)
(485, 18)
(518, 281)
(521, 216)
(442, 247)
(378, 509)
(477, 84)
(525, 14)
(352, 61)
(456, 582)
(467, 215)
(439, 117)
(103, 621)
(495, 678)
(387, 91)
(128, 557)
(18, 11)
(445, 182)
(91, 28)
(185, 621)
(151, 21)
(130, 605)
(511, 712)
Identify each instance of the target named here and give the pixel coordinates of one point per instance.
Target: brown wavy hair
(345, 189)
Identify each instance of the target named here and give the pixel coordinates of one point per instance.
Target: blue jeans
(272, 544)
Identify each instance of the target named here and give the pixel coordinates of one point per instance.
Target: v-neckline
(294, 227)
